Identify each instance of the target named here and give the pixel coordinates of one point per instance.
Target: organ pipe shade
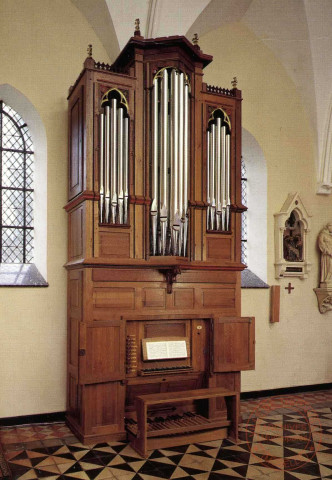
(113, 158)
(170, 162)
(218, 153)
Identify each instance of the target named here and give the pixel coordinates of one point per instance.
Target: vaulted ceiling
(298, 32)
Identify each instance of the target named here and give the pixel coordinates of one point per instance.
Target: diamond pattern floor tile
(281, 438)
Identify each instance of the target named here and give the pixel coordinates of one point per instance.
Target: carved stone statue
(325, 246)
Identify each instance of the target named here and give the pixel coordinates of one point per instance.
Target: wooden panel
(102, 352)
(126, 275)
(116, 245)
(76, 232)
(203, 276)
(75, 285)
(76, 148)
(154, 297)
(218, 248)
(141, 389)
(73, 341)
(165, 329)
(234, 340)
(104, 408)
(200, 344)
(218, 297)
(114, 298)
(275, 303)
(73, 409)
(184, 298)
(174, 385)
(229, 380)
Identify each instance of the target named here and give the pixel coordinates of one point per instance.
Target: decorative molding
(170, 276)
(285, 267)
(324, 185)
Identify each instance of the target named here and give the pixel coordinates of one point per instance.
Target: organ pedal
(161, 432)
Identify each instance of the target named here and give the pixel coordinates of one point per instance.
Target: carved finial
(137, 27)
(234, 82)
(89, 50)
(195, 39)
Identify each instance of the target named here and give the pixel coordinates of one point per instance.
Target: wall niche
(292, 225)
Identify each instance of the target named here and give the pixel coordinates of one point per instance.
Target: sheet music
(166, 349)
(156, 350)
(177, 349)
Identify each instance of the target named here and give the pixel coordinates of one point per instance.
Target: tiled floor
(281, 438)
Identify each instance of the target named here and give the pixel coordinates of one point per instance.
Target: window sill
(21, 275)
(250, 280)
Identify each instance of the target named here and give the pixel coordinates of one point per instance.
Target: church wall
(43, 46)
(297, 350)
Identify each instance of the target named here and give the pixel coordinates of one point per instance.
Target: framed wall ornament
(291, 228)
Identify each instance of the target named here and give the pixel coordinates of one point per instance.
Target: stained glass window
(244, 230)
(16, 188)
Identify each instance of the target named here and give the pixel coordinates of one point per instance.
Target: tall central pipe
(164, 163)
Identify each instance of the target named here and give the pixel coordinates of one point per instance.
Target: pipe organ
(154, 249)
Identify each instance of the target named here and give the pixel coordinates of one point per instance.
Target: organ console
(154, 262)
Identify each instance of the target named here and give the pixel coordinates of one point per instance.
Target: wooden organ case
(154, 250)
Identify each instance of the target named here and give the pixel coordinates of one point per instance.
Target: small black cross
(289, 288)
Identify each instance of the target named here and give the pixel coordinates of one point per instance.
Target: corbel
(170, 276)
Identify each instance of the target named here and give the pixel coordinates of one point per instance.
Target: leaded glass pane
(12, 169)
(13, 208)
(16, 188)
(11, 135)
(29, 170)
(12, 245)
(29, 246)
(29, 209)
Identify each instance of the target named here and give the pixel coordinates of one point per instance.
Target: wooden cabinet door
(233, 344)
(104, 405)
(102, 352)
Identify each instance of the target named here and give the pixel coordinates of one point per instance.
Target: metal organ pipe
(125, 169)
(228, 176)
(175, 134)
(154, 204)
(120, 164)
(180, 163)
(170, 162)
(114, 197)
(107, 164)
(218, 171)
(101, 169)
(223, 177)
(114, 158)
(184, 212)
(164, 206)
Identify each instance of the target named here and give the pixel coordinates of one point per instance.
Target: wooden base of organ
(125, 287)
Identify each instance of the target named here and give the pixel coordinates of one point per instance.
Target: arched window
(16, 188)
(23, 191)
(254, 221)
